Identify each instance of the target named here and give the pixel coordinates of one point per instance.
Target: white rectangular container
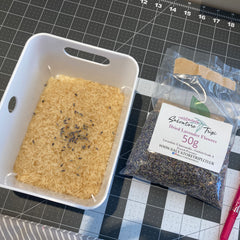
(44, 55)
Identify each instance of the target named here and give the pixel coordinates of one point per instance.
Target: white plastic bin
(43, 56)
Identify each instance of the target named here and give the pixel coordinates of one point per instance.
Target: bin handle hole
(12, 104)
(86, 55)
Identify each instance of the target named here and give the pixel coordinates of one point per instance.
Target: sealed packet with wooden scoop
(186, 140)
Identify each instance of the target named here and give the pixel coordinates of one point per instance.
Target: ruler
(186, 9)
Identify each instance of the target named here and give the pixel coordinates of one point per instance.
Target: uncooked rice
(69, 139)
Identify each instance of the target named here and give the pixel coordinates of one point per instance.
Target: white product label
(191, 138)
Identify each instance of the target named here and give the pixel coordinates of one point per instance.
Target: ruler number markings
(216, 20)
(202, 17)
(145, 2)
(158, 5)
(231, 24)
(188, 13)
(172, 9)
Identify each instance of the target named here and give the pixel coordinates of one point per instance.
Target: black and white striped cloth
(17, 229)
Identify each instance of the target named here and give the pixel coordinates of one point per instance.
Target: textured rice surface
(69, 139)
